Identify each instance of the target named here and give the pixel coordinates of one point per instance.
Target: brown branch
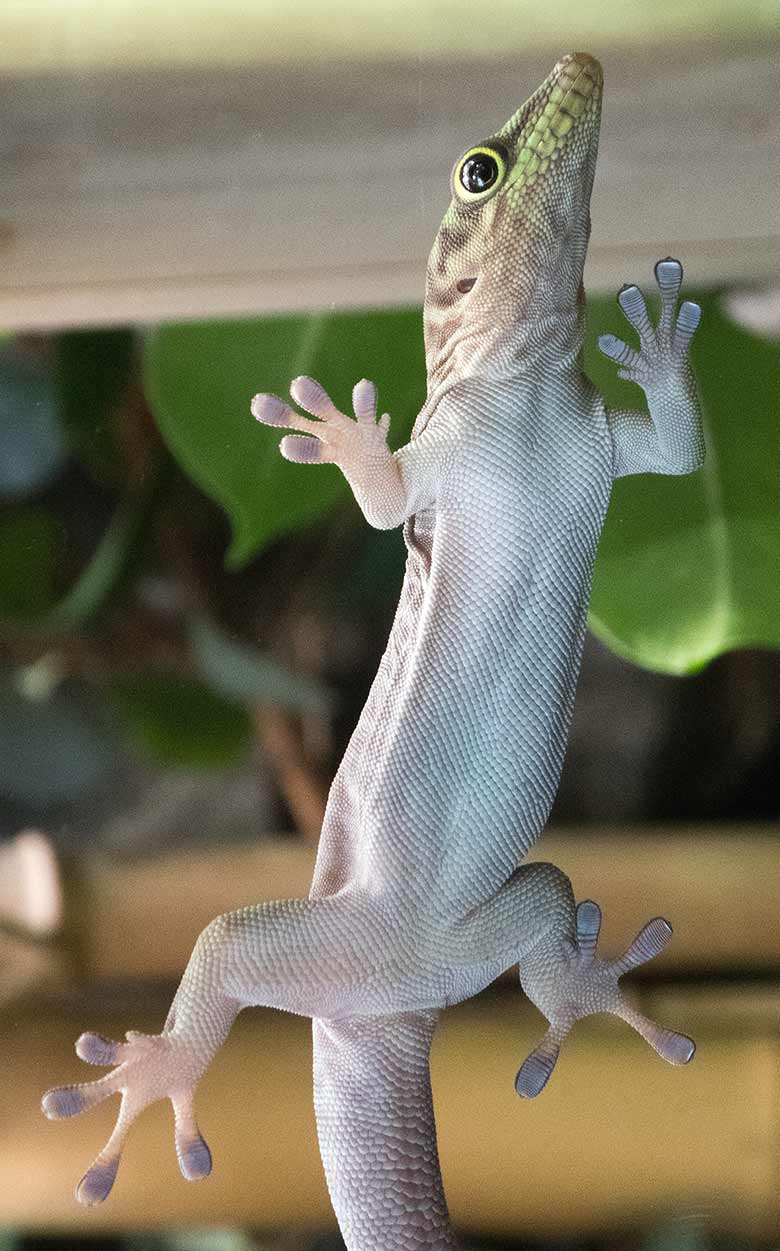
(304, 790)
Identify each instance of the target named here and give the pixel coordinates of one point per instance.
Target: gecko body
(420, 897)
(475, 691)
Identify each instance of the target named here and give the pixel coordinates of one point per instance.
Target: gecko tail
(376, 1128)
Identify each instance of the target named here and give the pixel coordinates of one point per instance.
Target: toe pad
(195, 1160)
(96, 1184)
(63, 1101)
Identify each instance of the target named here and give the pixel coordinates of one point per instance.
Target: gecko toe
(649, 943)
(301, 449)
(270, 410)
(587, 928)
(96, 1049)
(95, 1185)
(64, 1101)
(195, 1160)
(535, 1072)
(312, 396)
(678, 1048)
(669, 276)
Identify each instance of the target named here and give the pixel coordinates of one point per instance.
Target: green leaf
(237, 671)
(177, 722)
(689, 567)
(28, 556)
(91, 369)
(200, 379)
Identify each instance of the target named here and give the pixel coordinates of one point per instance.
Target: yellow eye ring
(479, 173)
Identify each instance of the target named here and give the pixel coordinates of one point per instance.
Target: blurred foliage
(31, 436)
(52, 750)
(239, 672)
(92, 518)
(198, 1240)
(28, 544)
(54, 403)
(90, 369)
(103, 570)
(177, 722)
(201, 377)
(113, 559)
(688, 566)
(682, 1235)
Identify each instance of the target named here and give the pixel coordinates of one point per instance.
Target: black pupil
(479, 172)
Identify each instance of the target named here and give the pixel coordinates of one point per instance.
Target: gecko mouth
(465, 285)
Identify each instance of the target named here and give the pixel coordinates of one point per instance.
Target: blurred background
(201, 202)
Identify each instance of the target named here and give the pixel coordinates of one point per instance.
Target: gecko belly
(454, 764)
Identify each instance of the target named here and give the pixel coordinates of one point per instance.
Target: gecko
(421, 896)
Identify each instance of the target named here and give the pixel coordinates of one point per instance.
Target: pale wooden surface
(84, 35)
(718, 887)
(189, 191)
(619, 1139)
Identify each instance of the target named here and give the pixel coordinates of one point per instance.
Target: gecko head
(511, 248)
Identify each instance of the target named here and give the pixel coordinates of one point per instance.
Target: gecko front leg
(671, 439)
(358, 447)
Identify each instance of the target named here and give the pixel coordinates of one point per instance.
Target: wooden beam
(142, 192)
(82, 36)
(716, 886)
(619, 1140)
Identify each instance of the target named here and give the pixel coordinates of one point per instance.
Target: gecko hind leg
(320, 957)
(581, 984)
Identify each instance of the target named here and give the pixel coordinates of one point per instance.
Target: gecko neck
(536, 345)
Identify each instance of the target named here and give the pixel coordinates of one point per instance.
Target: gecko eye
(479, 173)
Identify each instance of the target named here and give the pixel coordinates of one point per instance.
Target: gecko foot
(663, 349)
(148, 1067)
(334, 438)
(582, 985)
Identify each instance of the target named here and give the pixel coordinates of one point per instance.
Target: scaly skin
(419, 897)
